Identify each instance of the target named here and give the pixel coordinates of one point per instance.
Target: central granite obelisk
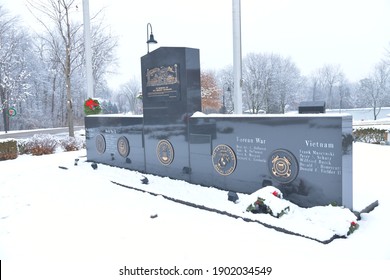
(171, 94)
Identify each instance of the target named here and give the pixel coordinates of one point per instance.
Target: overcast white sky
(351, 33)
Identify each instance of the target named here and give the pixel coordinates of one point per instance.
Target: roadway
(20, 134)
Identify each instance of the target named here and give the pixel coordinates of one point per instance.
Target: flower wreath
(92, 107)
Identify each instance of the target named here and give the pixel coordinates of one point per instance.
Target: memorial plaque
(123, 146)
(163, 81)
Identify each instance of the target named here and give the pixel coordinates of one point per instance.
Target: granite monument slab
(307, 156)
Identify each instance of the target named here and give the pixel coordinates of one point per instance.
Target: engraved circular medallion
(123, 146)
(283, 166)
(100, 144)
(165, 152)
(224, 159)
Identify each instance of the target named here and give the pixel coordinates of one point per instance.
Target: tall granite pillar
(171, 94)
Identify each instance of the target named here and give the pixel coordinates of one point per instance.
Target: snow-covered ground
(74, 223)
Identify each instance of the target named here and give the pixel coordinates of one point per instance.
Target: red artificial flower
(91, 104)
(275, 193)
(353, 224)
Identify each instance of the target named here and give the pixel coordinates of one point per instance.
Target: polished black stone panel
(311, 107)
(171, 93)
(103, 134)
(308, 157)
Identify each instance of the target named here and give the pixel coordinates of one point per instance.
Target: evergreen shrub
(369, 135)
(8, 149)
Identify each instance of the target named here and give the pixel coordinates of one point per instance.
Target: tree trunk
(53, 88)
(3, 101)
(5, 119)
(69, 105)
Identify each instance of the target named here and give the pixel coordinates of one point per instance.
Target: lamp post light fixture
(149, 39)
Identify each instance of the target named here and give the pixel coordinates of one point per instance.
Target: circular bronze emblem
(283, 166)
(100, 144)
(224, 160)
(165, 152)
(123, 146)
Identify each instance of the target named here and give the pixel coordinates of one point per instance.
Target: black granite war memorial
(308, 156)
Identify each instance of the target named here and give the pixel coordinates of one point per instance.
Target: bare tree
(256, 82)
(129, 94)
(270, 82)
(64, 46)
(375, 88)
(48, 83)
(331, 76)
(315, 85)
(288, 83)
(63, 39)
(344, 90)
(14, 45)
(103, 57)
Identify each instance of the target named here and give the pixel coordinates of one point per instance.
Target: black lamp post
(149, 40)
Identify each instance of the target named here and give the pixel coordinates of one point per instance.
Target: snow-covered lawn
(77, 221)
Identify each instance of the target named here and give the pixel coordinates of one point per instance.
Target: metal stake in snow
(88, 48)
(237, 57)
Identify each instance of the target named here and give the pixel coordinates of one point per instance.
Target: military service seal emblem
(283, 166)
(224, 160)
(165, 152)
(100, 144)
(123, 146)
